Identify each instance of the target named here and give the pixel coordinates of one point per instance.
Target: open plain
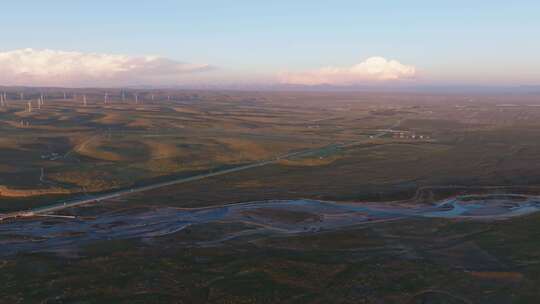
(268, 197)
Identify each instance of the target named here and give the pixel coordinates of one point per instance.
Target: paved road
(116, 194)
(96, 198)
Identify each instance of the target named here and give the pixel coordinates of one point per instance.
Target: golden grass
(160, 150)
(244, 149)
(112, 118)
(164, 166)
(92, 149)
(309, 162)
(140, 123)
(7, 142)
(7, 192)
(186, 110)
(90, 180)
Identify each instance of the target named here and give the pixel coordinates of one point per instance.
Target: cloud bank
(62, 68)
(74, 69)
(372, 70)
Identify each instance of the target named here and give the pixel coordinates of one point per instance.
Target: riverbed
(287, 217)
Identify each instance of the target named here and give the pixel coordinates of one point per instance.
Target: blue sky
(465, 42)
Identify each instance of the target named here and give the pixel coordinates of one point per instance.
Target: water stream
(281, 217)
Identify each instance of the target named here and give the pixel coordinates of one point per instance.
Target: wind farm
(83, 154)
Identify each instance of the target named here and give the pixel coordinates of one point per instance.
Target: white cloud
(62, 68)
(372, 70)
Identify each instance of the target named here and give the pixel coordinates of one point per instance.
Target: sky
(265, 43)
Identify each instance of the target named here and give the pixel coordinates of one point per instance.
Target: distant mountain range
(523, 89)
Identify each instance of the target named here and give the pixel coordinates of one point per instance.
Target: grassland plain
(417, 261)
(67, 148)
(395, 144)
